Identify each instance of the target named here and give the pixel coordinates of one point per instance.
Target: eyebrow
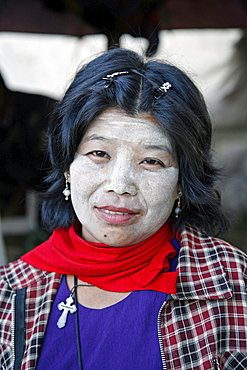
(94, 137)
(147, 146)
(159, 147)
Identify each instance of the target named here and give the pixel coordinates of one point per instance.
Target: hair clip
(160, 91)
(109, 78)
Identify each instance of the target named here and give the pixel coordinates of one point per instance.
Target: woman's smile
(124, 179)
(116, 216)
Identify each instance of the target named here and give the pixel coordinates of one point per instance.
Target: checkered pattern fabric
(40, 293)
(203, 326)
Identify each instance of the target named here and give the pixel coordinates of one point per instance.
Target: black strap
(19, 332)
(78, 338)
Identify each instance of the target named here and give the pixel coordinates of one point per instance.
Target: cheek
(162, 192)
(85, 180)
(80, 181)
(83, 173)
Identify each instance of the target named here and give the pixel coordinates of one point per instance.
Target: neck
(93, 297)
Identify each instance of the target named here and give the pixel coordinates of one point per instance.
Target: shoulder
(206, 247)
(210, 268)
(19, 275)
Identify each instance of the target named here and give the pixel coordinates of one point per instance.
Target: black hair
(181, 112)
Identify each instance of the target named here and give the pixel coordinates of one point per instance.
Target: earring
(66, 191)
(178, 208)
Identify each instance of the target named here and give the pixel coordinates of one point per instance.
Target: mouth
(114, 215)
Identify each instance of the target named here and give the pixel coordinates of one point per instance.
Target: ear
(67, 176)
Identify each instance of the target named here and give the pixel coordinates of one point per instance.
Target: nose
(122, 178)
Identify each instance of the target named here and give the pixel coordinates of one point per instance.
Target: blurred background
(43, 43)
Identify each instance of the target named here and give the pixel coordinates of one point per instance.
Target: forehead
(116, 125)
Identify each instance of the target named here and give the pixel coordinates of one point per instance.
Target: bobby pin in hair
(110, 78)
(160, 91)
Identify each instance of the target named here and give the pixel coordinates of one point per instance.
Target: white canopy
(215, 59)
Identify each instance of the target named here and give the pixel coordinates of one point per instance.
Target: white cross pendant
(68, 307)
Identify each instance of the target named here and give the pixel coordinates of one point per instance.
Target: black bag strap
(19, 332)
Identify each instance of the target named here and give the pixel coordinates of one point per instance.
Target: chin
(113, 242)
(121, 242)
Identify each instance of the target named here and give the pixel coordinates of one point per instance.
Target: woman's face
(124, 179)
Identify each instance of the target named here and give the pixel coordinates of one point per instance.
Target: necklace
(71, 304)
(73, 289)
(78, 338)
(71, 307)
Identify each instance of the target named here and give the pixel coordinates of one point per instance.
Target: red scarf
(117, 269)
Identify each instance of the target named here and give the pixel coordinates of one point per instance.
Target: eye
(98, 155)
(152, 162)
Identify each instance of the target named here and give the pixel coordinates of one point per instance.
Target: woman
(130, 278)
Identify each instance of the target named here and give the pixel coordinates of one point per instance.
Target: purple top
(121, 336)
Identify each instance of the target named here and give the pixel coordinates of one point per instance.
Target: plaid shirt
(203, 326)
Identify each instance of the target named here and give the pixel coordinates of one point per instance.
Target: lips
(115, 215)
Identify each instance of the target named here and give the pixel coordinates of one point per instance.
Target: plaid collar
(201, 272)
